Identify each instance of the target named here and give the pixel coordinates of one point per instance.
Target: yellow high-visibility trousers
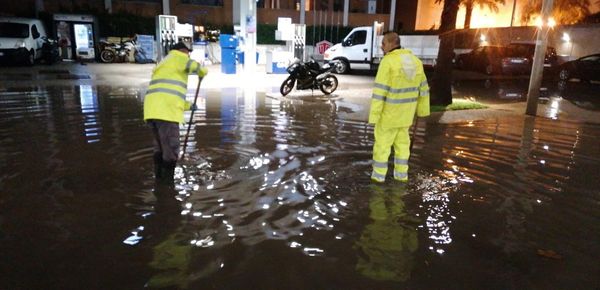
(384, 139)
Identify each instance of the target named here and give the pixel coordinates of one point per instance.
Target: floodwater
(275, 194)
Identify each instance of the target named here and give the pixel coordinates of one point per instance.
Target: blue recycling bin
(229, 44)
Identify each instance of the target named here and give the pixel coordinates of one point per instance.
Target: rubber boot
(158, 163)
(168, 173)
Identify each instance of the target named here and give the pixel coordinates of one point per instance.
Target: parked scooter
(109, 52)
(310, 75)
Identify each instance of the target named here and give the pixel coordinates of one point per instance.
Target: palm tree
(441, 88)
(564, 11)
(470, 4)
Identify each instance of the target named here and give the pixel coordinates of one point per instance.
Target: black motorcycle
(109, 52)
(310, 75)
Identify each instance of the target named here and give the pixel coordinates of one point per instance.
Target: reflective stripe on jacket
(400, 90)
(166, 96)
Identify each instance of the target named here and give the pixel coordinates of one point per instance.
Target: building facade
(220, 12)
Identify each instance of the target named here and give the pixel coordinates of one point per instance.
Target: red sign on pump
(322, 46)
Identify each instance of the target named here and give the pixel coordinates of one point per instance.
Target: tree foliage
(469, 5)
(492, 5)
(563, 12)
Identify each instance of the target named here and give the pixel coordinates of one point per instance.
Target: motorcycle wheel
(107, 56)
(329, 84)
(287, 86)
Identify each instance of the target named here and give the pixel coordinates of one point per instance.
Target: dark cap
(181, 45)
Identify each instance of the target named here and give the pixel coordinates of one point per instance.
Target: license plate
(547, 65)
(516, 61)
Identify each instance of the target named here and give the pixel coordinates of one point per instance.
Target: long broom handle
(187, 134)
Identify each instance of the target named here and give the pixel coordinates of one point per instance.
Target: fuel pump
(184, 32)
(165, 34)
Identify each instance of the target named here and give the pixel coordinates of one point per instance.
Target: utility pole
(392, 16)
(302, 11)
(166, 8)
(39, 7)
(248, 33)
(537, 70)
(346, 8)
(512, 19)
(108, 6)
(512, 16)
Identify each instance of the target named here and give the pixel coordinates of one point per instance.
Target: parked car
(487, 59)
(21, 40)
(520, 59)
(586, 68)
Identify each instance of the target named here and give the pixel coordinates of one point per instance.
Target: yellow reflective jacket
(400, 91)
(165, 98)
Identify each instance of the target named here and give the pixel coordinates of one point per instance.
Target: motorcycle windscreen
(84, 41)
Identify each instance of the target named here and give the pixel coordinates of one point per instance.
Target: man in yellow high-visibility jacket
(164, 104)
(400, 92)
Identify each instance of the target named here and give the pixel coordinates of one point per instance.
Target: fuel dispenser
(166, 36)
(294, 36)
(184, 32)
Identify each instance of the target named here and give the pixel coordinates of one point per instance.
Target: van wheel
(342, 67)
(31, 58)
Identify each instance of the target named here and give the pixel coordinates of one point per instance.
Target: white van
(361, 48)
(21, 39)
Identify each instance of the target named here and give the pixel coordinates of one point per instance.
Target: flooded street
(275, 193)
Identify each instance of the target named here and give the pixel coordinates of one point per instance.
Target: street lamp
(482, 39)
(567, 40)
(539, 22)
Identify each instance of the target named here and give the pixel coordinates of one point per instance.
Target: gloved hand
(194, 107)
(203, 72)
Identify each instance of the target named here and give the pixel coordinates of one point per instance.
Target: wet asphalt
(275, 191)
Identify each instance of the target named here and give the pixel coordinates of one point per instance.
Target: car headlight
(20, 44)
(332, 49)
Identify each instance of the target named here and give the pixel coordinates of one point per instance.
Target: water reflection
(582, 95)
(492, 90)
(89, 109)
(387, 245)
(171, 251)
